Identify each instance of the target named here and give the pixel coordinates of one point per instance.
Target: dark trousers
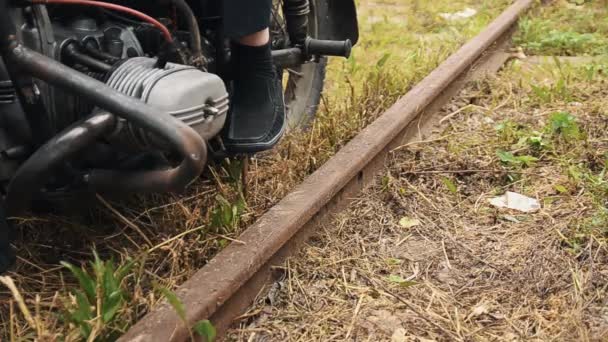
(244, 17)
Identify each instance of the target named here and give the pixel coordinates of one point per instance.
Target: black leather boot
(256, 120)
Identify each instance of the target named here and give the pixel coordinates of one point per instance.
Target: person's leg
(255, 39)
(245, 17)
(257, 115)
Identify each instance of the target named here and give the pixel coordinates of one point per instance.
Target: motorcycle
(130, 96)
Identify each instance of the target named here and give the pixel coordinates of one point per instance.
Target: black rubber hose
(71, 52)
(93, 51)
(40, 166)
(181, 138)
(193, 28)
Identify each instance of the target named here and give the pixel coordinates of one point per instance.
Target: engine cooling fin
(197, 98)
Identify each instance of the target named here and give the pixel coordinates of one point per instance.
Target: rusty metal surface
(229, 282)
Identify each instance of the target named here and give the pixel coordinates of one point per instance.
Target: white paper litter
(408, 222)
(465, 13)
(515, 201)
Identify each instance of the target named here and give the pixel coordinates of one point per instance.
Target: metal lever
(312, 47)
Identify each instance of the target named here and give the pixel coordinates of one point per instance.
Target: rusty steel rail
(229, 283)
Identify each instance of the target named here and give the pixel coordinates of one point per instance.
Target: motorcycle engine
(123, 54)
(197, 98)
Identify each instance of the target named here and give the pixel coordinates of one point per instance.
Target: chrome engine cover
(197, 98)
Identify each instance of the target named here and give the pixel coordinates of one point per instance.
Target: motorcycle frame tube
(40, 166)
(290, 57)
(180, 138)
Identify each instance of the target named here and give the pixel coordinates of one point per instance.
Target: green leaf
(241, 205)
(564, 124)
(109, 281)
(536, 140)
(506, 157)
(98, 266)
(177, 305)
(383, 60)
(509, 158)
(234, 168)
(83, 314)
(399, 280)
(561, 189)
(449, 184)
(84, 280)
(111, 305)
(83, 307)
(575, 173)
(205, 329)
(527, 160)
(99, 286)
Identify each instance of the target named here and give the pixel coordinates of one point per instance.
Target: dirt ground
(423, 256)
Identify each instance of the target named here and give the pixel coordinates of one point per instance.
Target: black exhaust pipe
(40, 166)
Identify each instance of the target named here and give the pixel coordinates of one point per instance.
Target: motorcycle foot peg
(341, 48)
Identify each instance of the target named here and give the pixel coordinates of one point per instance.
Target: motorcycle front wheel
(303, 85)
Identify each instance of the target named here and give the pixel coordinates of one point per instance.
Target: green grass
(565, 28)
(407, 39)
(566, 136)
(98, 300)
(401, 42)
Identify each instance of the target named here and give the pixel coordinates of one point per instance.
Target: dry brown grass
(413, 260)
(171, 235)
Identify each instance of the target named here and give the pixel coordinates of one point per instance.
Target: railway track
(228, 284)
